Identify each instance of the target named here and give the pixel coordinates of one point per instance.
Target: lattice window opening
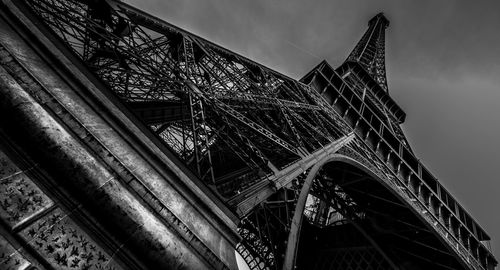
(328, 204)
(176, 138)
(316, 213)
(340, 201)
(182, 143)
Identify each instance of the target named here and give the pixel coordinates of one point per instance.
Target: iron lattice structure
(370, 51)
(257, 138)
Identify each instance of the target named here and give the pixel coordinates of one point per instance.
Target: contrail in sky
(301, 49)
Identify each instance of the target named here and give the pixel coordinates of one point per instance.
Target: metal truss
(240, 126)
(331, 206)
(375, 105)
(266, 229)
(333, 197)
(232, 121)
(383, 148)
(370, 51)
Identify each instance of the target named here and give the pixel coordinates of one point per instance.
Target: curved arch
(403, 233)
(296, 223)
(292, 247)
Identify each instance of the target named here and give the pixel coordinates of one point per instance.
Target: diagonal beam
(250, 198)
(244, 120)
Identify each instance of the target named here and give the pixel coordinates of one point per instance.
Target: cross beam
(250, 198)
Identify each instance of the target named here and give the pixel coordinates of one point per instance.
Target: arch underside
(356, 222)
(352, 220)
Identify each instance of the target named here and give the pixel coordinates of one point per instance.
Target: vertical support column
(408, 178)
(427, 196)
(439, 206)
(201, 147)
(398, 168)
(459, 231)
(448, 222)
(418, 189)
(467, 241)
(386, 159)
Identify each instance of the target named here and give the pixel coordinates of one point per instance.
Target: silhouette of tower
(130, 143)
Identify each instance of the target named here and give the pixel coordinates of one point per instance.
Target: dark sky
(443, 68)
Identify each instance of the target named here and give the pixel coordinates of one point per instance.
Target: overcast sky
(443, 68)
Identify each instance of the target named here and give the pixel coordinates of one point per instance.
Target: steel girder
(237, 124)
(224, 104)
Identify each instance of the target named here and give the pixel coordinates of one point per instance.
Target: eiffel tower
(129, 143)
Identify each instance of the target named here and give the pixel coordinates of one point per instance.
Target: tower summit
(370, 50)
